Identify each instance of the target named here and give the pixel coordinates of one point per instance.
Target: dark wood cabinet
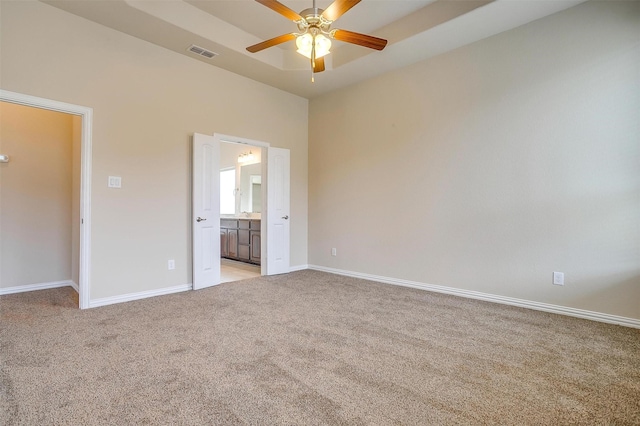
(232, 238)
(244, 244)
(240, 239)
(255, 246)
(224, 242)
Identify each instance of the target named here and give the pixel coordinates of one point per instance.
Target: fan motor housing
(313, 19)
(312, 13)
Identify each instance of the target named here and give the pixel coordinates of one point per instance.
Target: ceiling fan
(314, 26)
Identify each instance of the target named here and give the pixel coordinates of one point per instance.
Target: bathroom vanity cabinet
(240, 240)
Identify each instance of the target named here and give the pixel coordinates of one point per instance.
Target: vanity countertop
(253, 216)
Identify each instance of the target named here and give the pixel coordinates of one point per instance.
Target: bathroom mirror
(251, 188)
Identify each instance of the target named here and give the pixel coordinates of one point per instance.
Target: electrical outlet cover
(558, 278)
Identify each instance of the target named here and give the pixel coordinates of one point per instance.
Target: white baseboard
(39, 286)
(298, 268)
(555, 309)
(75, 286)
(141, 295)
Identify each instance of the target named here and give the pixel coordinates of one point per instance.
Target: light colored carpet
(310, 348)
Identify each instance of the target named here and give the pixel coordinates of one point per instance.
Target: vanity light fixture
(245, 157)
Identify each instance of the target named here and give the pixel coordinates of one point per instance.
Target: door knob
(199, 219)
(285, 217)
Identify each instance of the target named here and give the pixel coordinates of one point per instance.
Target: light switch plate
(115, 182)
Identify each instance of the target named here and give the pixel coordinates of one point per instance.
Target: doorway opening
(80, 210)
(241, 235)
(241, 194)
(271, 227)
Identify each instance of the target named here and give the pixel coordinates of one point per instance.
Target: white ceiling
(416, 30)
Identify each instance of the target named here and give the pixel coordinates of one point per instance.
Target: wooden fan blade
(338, 8)
(281, 9)
(319, 65)
(271, 42)
(359, 39)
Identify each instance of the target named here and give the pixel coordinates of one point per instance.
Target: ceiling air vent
(201, 51)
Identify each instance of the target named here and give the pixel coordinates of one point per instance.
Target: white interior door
(278, 192)
(206, 209)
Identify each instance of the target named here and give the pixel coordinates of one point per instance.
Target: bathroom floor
(231, 270)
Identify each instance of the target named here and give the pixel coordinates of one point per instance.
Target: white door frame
(86, 114)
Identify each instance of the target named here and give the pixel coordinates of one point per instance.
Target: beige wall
(490, 167)
(147, 102)
(36, 195)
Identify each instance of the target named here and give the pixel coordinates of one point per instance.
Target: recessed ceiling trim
(176, 24)
(190, 18)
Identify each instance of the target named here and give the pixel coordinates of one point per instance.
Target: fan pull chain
(313, 56)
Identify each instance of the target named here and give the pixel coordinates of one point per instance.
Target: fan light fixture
(305, 45)
(313, 39)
